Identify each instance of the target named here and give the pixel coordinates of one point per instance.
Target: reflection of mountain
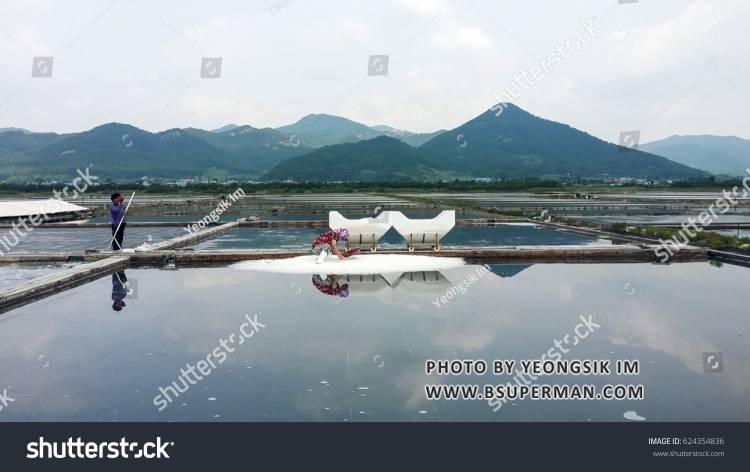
(508, 270)
(393, 288)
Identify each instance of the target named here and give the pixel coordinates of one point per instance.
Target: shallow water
(186, 218)
(501, 235)
(362, 357)
(743, 233)
(69, 239)
(729, 218)
(13, 274)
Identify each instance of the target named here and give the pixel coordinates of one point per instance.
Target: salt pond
(362, 357)
(50, 239)
(500, 235)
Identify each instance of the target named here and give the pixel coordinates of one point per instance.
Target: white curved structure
(363, 232)
(423, 232)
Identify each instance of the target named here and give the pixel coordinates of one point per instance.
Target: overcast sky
(663, 67)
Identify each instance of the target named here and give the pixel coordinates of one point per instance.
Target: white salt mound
(359, 264)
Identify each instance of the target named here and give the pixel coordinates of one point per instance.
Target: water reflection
(330, 285)
(120, 290)
(389, 288)
(500, 235)
(331, 358)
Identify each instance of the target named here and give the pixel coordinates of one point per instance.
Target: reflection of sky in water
(501, 235)
(68, 239)
(71, 357)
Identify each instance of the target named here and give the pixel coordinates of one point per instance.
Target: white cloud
(423, 7)
(648, 49)
(30, 39)
(353, 28)
(446, 63)
(466, 39)
(206, 106)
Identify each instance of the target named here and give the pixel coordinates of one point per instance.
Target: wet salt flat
(69, 239)
(179, 218)
(729, 218)
(563, 196)
(362, 357)
(501, 235)
(13, 274)
(743, 233)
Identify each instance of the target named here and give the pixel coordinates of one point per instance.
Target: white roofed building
(53, 209)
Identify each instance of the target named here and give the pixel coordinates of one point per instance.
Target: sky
(660, 67)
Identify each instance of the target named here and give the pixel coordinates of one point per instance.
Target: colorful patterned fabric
(322, 247)
(326, 286)
(329, 236)
(342, 233)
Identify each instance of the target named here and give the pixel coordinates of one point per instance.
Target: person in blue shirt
(117, 212)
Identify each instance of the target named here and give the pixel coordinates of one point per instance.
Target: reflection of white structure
(423, 232)
(395, 288)
(363, 232)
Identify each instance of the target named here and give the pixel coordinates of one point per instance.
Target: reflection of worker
(117, 212)
(119, 290)
(330, 285)
(326, 243)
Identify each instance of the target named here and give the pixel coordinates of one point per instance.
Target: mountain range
(327, 147)
(379, 159)
(727, 155)
(324, 130)
(120, 151)
(514, 144)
